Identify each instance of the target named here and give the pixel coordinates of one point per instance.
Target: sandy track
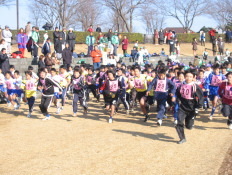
(89, 145)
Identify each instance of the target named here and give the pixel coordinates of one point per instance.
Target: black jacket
(4, 63)
(67, 56)
(58, 46)
(49, 86)
(56, 35)
(41, 64)
(46, 48)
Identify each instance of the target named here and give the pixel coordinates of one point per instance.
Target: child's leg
(180, 124)
(189, 120)
(64, 92)
(161, 108)
(214, 105)
(31, 102)
(176, 109)
(75, 100)
(45, 104)
(124, 101)
(143, 105)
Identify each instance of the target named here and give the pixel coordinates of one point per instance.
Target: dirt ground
(185, 49)
(88, 145)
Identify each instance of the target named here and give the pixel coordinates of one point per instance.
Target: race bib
(186, 91)
(89, 79)
(161, 86)
(178, 83)
(10, 85)
(216, 80)
(30, 85)
(228, 92)
(75, 83)
(139, 84)
(113, 86)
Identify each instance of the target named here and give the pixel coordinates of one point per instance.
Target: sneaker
(62, 108)
(16, 107)
(8, 104)
(147, 117)
(211, 117)
(47, 117)
(175, 122)
(29, 115)
(230, 126)
(58, 110)
(181, 141)
(85, 110)
(74, 114)
(159, 122)
(110, 120)
(127, 112)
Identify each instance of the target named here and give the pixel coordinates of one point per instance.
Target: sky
(8, 17)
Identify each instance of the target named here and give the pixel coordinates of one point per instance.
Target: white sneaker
(46, 118)
(8, 104)
(16, 107)
(175, 122)
(211, 117)
(74, 114)
(159, 122)
(62, 108)
(29, 115)
(58, 110)
(230, 126)
(110, 120)
(127, 112)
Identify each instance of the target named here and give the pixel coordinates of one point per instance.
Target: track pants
(31, 102)
(161, 108)
(188, 117)
(64, 92)
(79, 97)
(92, 88)
(125, 100)
(45, 104)
(133, 97)
(227, 112)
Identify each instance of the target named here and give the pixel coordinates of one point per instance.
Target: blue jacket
(208, 80)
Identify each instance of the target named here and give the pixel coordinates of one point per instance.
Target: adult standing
(156, 35)
(4, 61)
(63, 34)
(202, 38)
(90, 41)
(115, 43)
(67, 56)
(212, 34)
(22, 39)
(161, 37)
(125, 44)
(98, 29)
(71, 39)
(169, 36)
(56, 35)
(109, 35)
(47, 47)
(35, 37)
(96, 56)
(194, 44)
(214, 46)
(90, 29)
(7, 35)
(28, 29)
(58, 48)
(165, 37)
(221, 45)
(228, 36)
(45, 37)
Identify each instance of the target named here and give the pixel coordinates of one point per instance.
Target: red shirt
(222, 91)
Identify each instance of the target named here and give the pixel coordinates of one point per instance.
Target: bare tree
(152, 18)
(124, 10)
(63, 9)
(185, 11)
(221, 12)
(6, 2)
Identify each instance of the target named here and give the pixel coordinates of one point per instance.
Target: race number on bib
(161, 86)
(228, 92)
(186, 91)
(216, 80)
(139, 84)
(113, 86)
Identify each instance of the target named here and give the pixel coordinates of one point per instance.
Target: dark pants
(227, 112)
(161, 108)
(31, 102)
(124, 99)
(115, 50)
(96, 65)
(188, 117)
(90, 49)
(66, 65)
(133, 98)
(92, 88)
(81, 98)
(45, 104)
(64, 92)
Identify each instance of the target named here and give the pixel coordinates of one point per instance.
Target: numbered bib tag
(186, 91)
(161, 86)
(89, 79)
(216, 80)
(10, 85)
(139, 84)
(113, 86)
(30, 85)
(75, 83)
(228, 92)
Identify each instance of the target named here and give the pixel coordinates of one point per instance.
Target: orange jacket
(96, 55)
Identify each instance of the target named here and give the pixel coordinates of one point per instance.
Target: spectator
(56, 35)
(35, 37)
(228, 35)
(46, 47)
(3, 44)
(28, 29)
(136, 44)
(96, 55)
(41, 63)
(171, 42)
(71, 39)
(165, 37)
(194, 44)
(99, 37)
(169, 36)
(125, 44)
(45, 37)
(22, 39)
(90, 41)
(64, 37)
(0, 34)
(212, 34)
(134, 54)
(58, 48)
(202, 38)
(7, 35)
(214, 46)
(161, 36)
(90, 29)
(115, 43)
(109, 35)
(4, 61)
(49, 61)
(98, 29)
(156, 35)
(221, 45)
(67, 56)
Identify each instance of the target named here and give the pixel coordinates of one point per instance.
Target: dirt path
(87, 145)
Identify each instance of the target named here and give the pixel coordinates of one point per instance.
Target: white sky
(8, 17)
